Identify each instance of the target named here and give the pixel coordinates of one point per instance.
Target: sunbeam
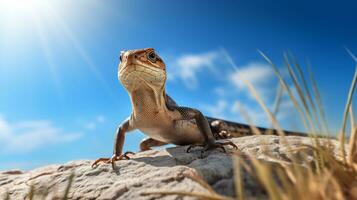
(18, 13)
(49, 57)
(23, 17)
(83, 53)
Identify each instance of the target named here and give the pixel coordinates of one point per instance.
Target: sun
(21, 7)
(18, 15)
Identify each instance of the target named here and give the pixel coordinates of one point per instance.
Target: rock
(170, 169)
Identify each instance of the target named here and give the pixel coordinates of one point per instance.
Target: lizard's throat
(147, 102)
(145, 86)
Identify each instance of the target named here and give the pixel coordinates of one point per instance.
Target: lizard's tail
(234, 129)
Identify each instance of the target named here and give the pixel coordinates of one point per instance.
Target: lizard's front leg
(147, 143)
(204, 128)
(118, 146)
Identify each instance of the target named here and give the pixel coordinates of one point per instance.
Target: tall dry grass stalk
(322, 127)
(345, 114)
(321, 111)
(353, 138)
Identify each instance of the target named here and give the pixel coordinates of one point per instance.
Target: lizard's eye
(152, 56)
(121, 56)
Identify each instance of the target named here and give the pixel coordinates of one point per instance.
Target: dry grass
(330, 176)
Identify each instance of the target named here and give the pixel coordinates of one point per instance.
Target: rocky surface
(170, 169)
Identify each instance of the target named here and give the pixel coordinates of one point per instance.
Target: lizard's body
(143, 74)
(151, 117)
(154, 113)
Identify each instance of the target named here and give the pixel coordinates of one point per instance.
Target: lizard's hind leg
(219, 129)
(204, 128)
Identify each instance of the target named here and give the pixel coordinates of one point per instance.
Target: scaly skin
(143, 74)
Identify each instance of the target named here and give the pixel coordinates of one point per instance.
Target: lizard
(143, 74)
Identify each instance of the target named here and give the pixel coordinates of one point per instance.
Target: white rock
(165, 170)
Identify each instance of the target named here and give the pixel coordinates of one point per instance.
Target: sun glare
(24, 21)
(20, 7)
(18, 15)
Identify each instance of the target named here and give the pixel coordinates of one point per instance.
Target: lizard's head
(141, 68)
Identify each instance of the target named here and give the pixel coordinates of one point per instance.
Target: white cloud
(29, 135)
(255, 73)
(263, 79)
(187, 66)
(260, 76)
(231, 87)
(286, 116)
(255, 114)
(93, 124)
(218, 110)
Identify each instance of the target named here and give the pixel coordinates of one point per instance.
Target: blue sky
(60, 99)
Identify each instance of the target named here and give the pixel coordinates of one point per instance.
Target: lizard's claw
(223, 135)
(192, 146)
(112, 159)
(221, 145)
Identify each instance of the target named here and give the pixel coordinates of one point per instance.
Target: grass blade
(318, 99)
(344, 120)
(286, 87)
(307, 93)
(264, 173)
(300, 94)
(277, 100)
(238, 183)
(193, 194)
(353, 146)
(352, 118)
(69, 185)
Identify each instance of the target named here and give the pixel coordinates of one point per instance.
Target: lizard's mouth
(136, 76)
